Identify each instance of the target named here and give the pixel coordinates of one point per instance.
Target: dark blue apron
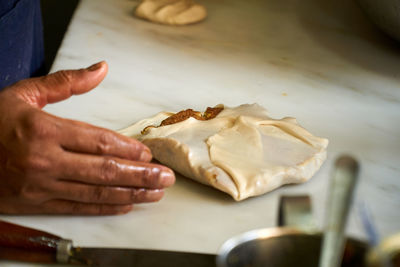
(21, 40)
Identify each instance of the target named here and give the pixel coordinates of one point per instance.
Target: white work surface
(322, 62)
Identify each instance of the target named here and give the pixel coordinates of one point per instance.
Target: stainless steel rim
(263, 233)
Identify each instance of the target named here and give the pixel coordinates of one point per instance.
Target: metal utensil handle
(341, 191)
(26, 244)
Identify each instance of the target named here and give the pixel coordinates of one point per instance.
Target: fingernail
(167, 177)
(95, 66)
(145, 155)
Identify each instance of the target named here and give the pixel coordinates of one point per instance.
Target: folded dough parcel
(240, 151)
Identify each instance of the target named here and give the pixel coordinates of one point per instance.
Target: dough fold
(172, 12)
(242, 151)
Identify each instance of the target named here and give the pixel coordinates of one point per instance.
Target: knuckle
(64, 76)
(100, 194)
(31, 194)
(104, 142)
(76, 208)
(150, 177)
(29, 165)
(37, 126)
(27, 90)
(34, 164)
(146, 175)
(137, 195)
(108, 169)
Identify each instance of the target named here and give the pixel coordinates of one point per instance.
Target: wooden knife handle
(26, 244)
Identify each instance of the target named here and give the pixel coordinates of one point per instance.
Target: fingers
(61, 85)
(96, 194)
(77, 208)
(84, 138)
(91, 169)
(58, 206)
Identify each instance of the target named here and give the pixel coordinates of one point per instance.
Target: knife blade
(141, 257)
(21, 243)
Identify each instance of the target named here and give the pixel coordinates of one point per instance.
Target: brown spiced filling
(209, 114)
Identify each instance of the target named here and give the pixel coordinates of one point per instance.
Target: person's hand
(51, 165)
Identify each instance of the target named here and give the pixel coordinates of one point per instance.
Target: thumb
(62, 84)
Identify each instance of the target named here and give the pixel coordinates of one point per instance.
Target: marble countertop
(322, 62)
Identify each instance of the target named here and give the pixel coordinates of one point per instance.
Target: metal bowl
(281, 247)
(385, 14)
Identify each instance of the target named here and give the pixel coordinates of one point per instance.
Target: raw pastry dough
(173, 12)
(242, 151)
